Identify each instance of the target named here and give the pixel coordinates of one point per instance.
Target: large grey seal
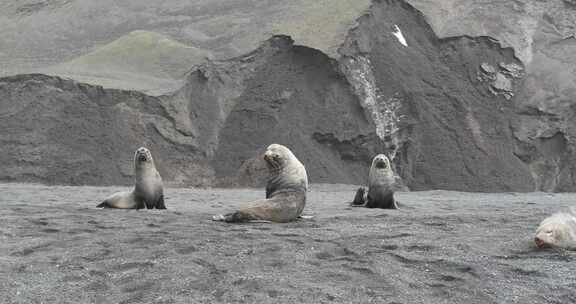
(381, 182)
(285, 190)
(557, 230)
(148, 191)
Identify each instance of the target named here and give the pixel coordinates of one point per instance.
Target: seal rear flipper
(306, 217)
(359, 199)
(218, 218)
(235, 217)
(104, 204)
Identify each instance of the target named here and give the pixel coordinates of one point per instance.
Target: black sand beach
(441, 247)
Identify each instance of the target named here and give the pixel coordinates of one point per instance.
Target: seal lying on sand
(558, 230)
(380, 186)
(285, 190)
(148, 191)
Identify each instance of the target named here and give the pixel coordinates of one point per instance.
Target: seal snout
(380, 161)
(540, 243)
(381, 164)
(273, 159)
(143, 154)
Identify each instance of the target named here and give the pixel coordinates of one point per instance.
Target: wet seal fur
(285, 190)
(148, 191)
(557, 230)
(381, 183)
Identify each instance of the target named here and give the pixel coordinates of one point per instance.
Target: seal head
(143, 158)
(558, 230)
(380, 171)
(286, 172)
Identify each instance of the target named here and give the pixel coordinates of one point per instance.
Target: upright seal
(285, 190)
(380, 186)
(148, 191)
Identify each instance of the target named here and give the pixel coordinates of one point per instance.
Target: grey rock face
(453, 133)
(542, 35)
(500, 81)
(459, 113)
(295, 96)
(201, 135)
(62, 132)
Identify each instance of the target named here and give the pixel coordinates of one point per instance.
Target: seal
(381, 182)
(285, 190)
(557, 230)
(148, 191)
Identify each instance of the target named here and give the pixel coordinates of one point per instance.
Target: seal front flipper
(359, 199)
(385, 201)
(160, 203)
(140, 204)
(269, 190)
(148, 204)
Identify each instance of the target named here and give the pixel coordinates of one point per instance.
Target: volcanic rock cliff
(461, 113)
(64, 132)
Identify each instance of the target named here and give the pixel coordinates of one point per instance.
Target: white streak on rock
(382, 110)
(398, 33)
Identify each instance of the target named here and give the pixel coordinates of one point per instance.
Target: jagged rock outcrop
(204, 134)
(546, 130)
(283, 93)
(542, 34)
(452, 131)
(62, 132)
